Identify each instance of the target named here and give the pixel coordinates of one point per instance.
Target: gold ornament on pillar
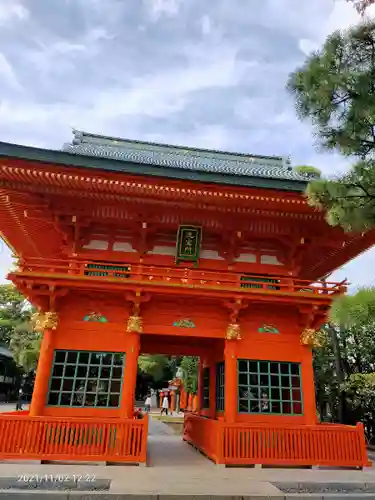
(312, 338)
(233, 332)
(44, 321)
(135, 324)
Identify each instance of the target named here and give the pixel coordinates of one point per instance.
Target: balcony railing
(162, 276)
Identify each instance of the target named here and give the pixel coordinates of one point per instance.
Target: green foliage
(161, 369)
(335, 90)
(354, 311)
(352, 328)
(326, 383)
(349, 201)
(360, 392)
(15, 328)
(308, 170)
(25, 346)
(189, 365)
(13, 311)
(153, 365)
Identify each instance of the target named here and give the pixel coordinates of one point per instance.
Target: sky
(198, 73)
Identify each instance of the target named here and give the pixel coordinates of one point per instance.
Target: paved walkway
(5, 407)
(167, 449)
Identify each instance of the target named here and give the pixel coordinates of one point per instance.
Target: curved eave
(351, 249)
(14, 151)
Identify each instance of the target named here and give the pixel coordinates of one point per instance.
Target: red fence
(205, 434)
(169, 276)
(78, 439)
(242, 444)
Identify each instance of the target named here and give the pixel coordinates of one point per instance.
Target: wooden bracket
(137, 298)
(312, 316)
(235, 307)
(54, 294)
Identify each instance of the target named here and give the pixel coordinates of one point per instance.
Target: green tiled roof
(98, 152)
(184, 158)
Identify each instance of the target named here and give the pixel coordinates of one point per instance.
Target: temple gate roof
(164, 155)
(100, 152)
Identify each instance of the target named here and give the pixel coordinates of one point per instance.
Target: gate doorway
(165, 441)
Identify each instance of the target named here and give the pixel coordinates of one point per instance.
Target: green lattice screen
(269, 387)
(206, 388)
(86, 379)
(220, 390)
(103, 270)
(258, 282)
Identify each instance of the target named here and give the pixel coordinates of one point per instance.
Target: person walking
(148, 404)
(19, 400)
(165, 405)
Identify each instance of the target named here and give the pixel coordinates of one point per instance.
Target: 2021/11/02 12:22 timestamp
(56, 478)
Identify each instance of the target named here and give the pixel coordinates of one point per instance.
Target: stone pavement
(166, 449)
(5, 407)
(177, 471)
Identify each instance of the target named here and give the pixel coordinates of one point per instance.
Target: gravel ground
(326, 488)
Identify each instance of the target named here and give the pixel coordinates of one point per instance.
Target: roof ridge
(80, 134)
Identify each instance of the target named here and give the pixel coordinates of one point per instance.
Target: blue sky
(209, 74)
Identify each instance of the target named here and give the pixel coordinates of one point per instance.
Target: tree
(153, 365)
(351, 351)
(308, 170)
(189, 365)
(354, 310)
(335, 90)
(14, 311)
(326, 382)
(361, 5)
(16, 330)
(158, 369)
(25, 346)
(360, 393)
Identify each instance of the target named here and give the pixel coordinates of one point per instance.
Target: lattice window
(86, 379)
(220, 386)
(206, 388)
(269, 387)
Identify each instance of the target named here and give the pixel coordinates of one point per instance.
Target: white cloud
(159, 8)
(341, 17)
(207, 74)
(206, 25)
(6, 261)
(7, 74)
(358, 272)
(11, 10)
(307, 46)
(159, 95)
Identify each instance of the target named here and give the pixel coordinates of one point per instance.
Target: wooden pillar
(173, 401)
(212, 390)
(308, 389)
(43, 373)
(130, 376)
(230, 390)
(200, 386)
(182, 399)
(190, 402)
(195, 403)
